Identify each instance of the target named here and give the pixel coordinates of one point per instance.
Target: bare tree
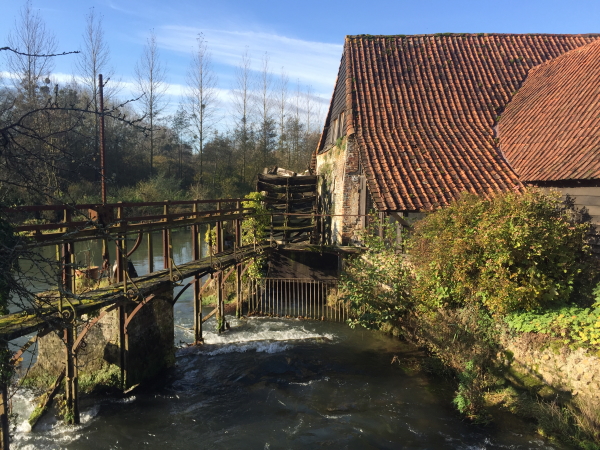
(309, 107)
(150, 80)
(94, 60)
(242, 92)
(296, 127)
(31, 39)
(282, 106)
(202, 95)
(265, 105)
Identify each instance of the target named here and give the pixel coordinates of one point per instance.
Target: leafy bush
(514, 251)
(570, 323)
(254, 231)
(375, 283)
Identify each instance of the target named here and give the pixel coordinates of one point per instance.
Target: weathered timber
(282, 201)
(291, 181)
(45, 401)
(292, 189)
(20, 324)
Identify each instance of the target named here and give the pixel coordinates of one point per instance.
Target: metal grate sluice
(293, 297)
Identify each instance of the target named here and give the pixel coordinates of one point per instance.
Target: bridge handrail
(85, 206)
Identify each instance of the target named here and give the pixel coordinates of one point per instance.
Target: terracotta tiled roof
(551, 129)
(423, 110)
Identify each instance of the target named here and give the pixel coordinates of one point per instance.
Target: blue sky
(305, 37)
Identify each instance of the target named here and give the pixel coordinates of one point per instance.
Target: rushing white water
(274, 384)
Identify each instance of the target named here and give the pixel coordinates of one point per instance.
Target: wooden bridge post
(196, 255)
(4, 429)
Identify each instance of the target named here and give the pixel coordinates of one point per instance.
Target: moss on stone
(107, 377)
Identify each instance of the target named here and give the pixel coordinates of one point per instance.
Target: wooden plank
(45, 401)
(262, 186)
(292, 181)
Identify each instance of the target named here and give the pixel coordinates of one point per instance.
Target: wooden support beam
(4, 428)
(166, 261)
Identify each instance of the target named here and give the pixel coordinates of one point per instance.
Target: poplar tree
(150, 80)
(202, 96)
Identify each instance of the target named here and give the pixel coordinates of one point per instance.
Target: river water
(276, 384)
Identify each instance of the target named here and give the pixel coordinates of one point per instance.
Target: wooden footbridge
(292, 221)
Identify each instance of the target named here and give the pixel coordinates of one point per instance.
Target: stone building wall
(330, 167)
(340, 188)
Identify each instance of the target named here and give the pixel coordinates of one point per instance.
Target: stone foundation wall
(573, 372)
(151, 348)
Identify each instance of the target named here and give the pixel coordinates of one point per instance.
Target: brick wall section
(351, 197)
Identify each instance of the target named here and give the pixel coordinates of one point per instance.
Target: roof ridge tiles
(408, 36)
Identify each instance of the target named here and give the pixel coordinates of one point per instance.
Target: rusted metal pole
(150, 253)
(102, 140)
(238, 274)
(71, 383)
(118, 250)
(197, 297)
(123, 345)
(68, 254)
(166, 261)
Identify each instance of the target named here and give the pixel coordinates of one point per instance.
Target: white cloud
(312, 63)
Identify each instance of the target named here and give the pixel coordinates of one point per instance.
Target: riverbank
(283, 383)
(537, 379)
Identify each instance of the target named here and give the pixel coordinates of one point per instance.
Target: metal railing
(294, 297)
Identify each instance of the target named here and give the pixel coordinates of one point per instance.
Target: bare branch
(38, 55)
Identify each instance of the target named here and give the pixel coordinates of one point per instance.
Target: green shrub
(375, 284)
(254, 231)
(569, 323)
(514, 251)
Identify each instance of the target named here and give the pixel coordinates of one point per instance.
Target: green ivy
(254, 231)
